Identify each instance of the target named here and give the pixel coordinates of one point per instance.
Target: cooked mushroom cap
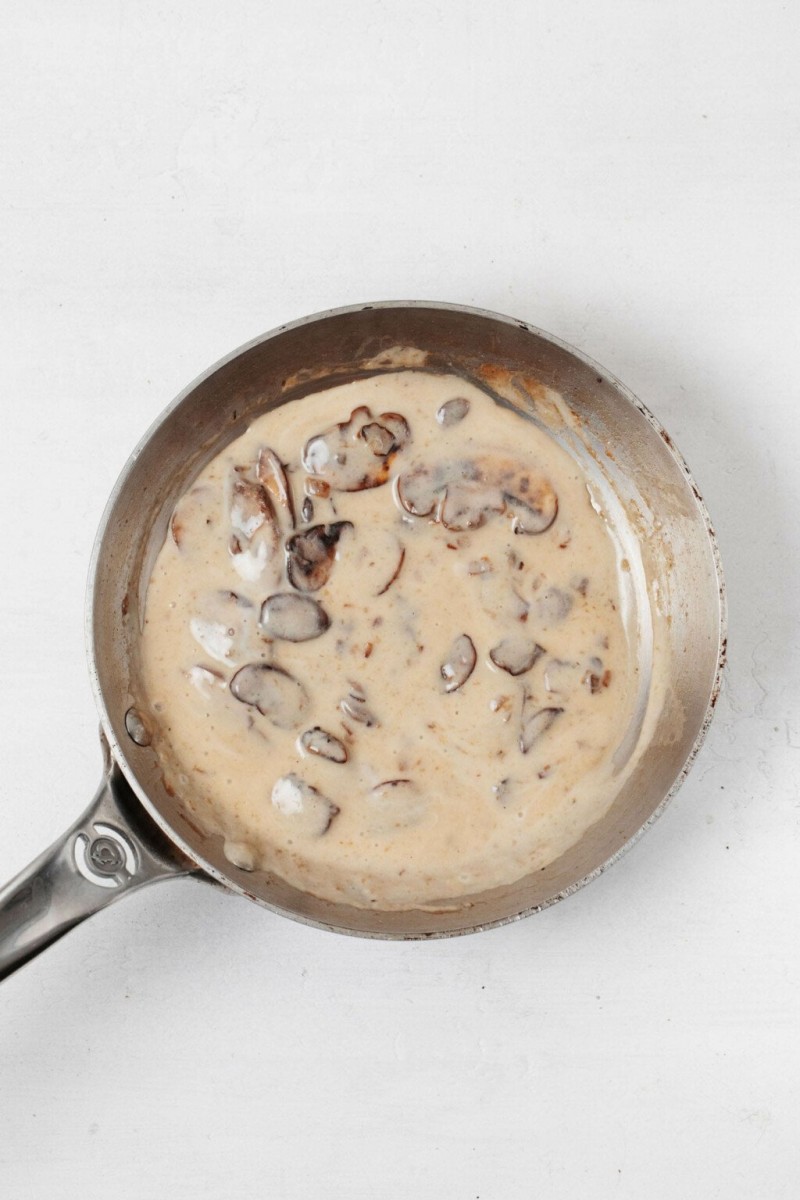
(516, 654)
(452, 411)
(354, 706)
(310, 555)
(308, 810)
(293, 618)
(272, 476)
(356, 454)
(459, 664)
(276, 694)
(325, 745)
(535, 725)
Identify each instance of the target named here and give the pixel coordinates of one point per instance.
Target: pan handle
(112, 850)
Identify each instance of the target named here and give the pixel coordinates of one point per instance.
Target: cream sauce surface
(388, 648)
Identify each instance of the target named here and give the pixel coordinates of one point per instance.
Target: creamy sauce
(391, 657)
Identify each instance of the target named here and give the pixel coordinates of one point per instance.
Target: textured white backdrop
(178, 177)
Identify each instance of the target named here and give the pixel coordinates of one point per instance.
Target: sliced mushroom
(393, 577)
(516, 654)
(396, 804)
(271, 474)
(310, 811)
(459, 664)
(356, 454)
(468, 506)
(250, 508)
(535, 725)
(276, 694)
(560, 676)
(310, 555)
(354, 706)
(379, 439)
(325, 745)
(452, 411)
(307, 510)
(293, 618)
(316, 487)
(534, 506)
(552, 606)
(419, 491)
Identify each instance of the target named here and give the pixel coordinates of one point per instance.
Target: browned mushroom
(293, 618)
(325, 745)
(276, 694)
(534, 507)
(271, 474)
(310, 555)
(395, 574)
(459, 664)
(356, 454)
(516, 654)
(250, 507)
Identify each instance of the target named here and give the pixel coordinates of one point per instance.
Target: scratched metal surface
(174, 180)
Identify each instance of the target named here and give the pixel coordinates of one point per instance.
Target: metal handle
(112, 850)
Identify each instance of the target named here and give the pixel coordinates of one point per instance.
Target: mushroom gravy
(389, 648)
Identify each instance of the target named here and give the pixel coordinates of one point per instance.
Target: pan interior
(643, 486)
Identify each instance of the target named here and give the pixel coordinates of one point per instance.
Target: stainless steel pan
(135, 831)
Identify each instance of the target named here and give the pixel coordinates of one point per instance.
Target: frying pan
(135, 831)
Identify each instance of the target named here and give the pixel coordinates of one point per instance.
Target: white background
(176, 178)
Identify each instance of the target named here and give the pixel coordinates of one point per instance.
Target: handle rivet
(106, 856)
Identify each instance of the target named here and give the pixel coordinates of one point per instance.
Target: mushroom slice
(534, 507)
(307, 510)
(452, 411)
(516, 654)
(310, 555)
(293, 618)
(355, 707)
(459, 664)
(393, 577)
(468, 506)
(552, 606)
(310, 811)
(379, 439)
(325, 745)
(396, 804)
(271, 474)
(250, 507)
(535, 725)
(419, 491)
(276, 694)
(356, 454)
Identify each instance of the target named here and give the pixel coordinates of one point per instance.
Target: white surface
(177, 178)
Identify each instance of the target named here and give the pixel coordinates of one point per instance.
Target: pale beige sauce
(476, 811)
